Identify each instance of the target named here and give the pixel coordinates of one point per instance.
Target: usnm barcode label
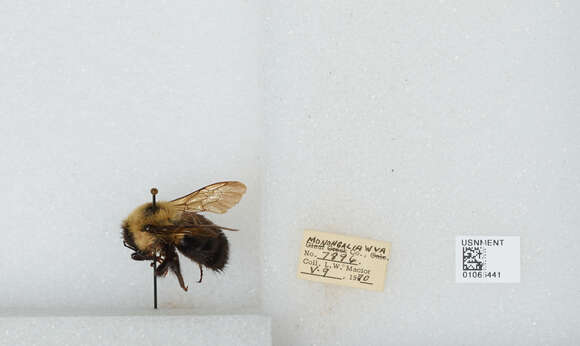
(486, 259)
(344, 260)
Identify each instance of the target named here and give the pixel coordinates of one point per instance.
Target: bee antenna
(153, 194)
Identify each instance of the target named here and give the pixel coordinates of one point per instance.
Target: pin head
(153, 193)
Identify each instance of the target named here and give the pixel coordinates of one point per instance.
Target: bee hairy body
(209, 251)
(150, 229)
(163, 214)
(156, 231)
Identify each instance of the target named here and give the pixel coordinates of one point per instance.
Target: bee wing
(216, 198)
(168, 231)
(189, 224)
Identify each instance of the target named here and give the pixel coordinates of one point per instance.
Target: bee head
(135, 232)
(128, 239)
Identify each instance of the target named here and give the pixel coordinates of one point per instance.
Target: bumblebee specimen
(155, 230)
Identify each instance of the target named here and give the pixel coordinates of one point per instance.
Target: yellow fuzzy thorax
(163, 215)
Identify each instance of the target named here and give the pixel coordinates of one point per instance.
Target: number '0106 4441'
(481, 275)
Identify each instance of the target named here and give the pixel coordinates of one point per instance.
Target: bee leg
(172, 261)
(180, 278)
(162, 269)
(127, 245)
(138, 256)
(200, 273)
(174, 265)
(158, 258)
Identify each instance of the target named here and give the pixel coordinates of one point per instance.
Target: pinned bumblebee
(154, 231)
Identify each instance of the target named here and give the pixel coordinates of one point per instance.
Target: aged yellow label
(343, 260)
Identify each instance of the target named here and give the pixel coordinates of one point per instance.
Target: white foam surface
(100, 102)
(414, 122)
(135, 328)
(410, 122)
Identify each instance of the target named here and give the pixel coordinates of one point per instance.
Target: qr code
(473, 257)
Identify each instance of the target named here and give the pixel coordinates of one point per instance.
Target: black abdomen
(212, 252)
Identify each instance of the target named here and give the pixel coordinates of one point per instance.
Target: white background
(410, 122)
(100, 102)
(414, 122)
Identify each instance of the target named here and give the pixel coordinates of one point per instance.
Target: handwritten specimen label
(344, 260)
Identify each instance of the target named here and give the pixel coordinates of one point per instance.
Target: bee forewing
(216, 198)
